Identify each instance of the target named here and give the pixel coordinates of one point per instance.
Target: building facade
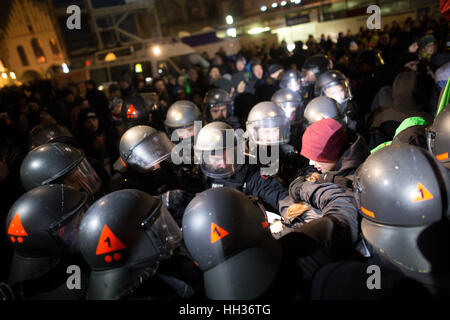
(30, 38)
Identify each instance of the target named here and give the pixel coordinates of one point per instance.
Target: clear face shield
(292, 109)
(357, 189)
(340, 92)
(65, 230)
(220, 112)
(269, 131)
(162, 231)
(82, 178)
(293, 84)
(219, 164)
(150, 152)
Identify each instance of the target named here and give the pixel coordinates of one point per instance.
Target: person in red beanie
(323, 143)
(334, 151)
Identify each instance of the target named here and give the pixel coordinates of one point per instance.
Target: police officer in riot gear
(42, 227)
(127, 237)
(439, 137)
(334, 84)
(179, 123)
(134, 112)
(180, 126)
(268, 125)
(180, 118)
(228, 235)
(218, 106)
(53, 132)
(403, 194)
(293, 105)
(221, 154)
(312, 69)
(146, 155)
(58, 163)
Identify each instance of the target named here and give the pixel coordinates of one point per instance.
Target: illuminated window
(55, 49)
(22, 55)
(38, 51)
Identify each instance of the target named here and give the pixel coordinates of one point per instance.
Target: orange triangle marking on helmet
(443, 156)
(423, 193)
(131, 112)
(16, 227)
(108, 242)
(217, 232)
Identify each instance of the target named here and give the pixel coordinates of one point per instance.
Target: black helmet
(322, 108)
(439, 137)
(42, 227)
(216, 149)
(134, 111)
(291, 102)
(143, 147)
(293, 80)
(334, 84)
(182, 114)
(58, 163)
(123, 236)
(318, 64)
(229, 238)
(403, 193)
(216, 98)
(53, 132)
(267, 124)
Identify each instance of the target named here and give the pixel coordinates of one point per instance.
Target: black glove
(176, 201)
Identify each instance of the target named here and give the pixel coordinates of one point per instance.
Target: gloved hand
(176, 200)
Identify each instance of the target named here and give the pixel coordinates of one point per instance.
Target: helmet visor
(292, 84)
(292, 110)
(82, 178)
(269, 131)
(163, 231)
(340, 92)
(150, 152)
(218, 164)
(220, 111)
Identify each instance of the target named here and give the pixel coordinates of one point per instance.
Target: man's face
(430, 48)
(323, 166)
(258, 71)
(159, 86)
(219, 112)
(413, 47)
(310, 76)
(336, 92)
(240, 66)
(412, 65)
(91, 124)
(269, 135)
(185, 133)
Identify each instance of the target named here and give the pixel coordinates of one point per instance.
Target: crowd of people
(357, 134)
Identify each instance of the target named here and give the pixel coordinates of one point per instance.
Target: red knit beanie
(324, 141)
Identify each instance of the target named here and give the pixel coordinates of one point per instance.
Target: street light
(229, 19)
(231, 32)
(263, 8)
